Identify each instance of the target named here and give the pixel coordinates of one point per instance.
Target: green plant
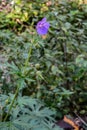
(28, 74)
(56, 70)
(27, 114)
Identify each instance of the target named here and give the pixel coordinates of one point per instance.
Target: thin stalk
(38, 87)
(81, 119)
(64, 50)
(27, 60)
(17, 90)
(1, 114)
(29, 55)
(66, 66)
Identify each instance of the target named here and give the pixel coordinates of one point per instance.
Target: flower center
(41, 25)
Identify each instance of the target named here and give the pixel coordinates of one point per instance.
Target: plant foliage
(52, 69)
(27, 114)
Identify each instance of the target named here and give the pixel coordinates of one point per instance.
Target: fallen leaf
(70, 122)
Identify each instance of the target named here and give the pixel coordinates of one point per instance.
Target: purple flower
(42, 27)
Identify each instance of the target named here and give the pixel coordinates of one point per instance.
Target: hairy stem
(17, 90)
(29, 55)
(27, 60)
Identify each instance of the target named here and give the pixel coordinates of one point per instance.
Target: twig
(81, 119)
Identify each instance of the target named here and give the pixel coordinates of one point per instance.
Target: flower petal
(47, 25)
(42, 31)
(42, 27)
(44, 19)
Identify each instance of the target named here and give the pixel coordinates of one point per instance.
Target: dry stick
(81, 119)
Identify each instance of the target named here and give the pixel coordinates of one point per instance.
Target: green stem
(27, 60)
(29, 55)
(17, 90)
(38, 88)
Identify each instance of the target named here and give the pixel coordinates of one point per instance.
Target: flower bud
(37, 66)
